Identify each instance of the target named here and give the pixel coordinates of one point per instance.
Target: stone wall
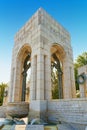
(69, 110)
(3, 111)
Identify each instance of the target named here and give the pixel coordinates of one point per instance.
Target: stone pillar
(17, 89)
(33, 82)
(66, 79)
(11, 87)
(82, 91)
(83, 87)
(38, 106)
(40, 77)
(47, 77)
(72, 79)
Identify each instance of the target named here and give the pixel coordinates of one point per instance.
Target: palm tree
(82, 59)
(2, 89)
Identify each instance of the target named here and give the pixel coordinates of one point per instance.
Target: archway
(26, 66)
(23, 65)
(57, 56)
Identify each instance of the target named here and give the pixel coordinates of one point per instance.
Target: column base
(38, 109)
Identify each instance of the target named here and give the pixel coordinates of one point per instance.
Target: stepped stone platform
(71, 113)
(41, 127)
(66, 126)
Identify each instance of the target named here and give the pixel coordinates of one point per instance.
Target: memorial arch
(40, 43)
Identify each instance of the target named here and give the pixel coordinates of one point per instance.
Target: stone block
(3, 111)
(38, 109)
(50, 127)
(17, 109)
(34, 127)
(20, 127)
(69, 110)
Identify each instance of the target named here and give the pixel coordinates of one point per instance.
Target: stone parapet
(68, 110)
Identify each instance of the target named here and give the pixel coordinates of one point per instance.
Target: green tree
(2, 89)
(80, 61)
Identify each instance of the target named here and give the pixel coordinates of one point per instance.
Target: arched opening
(24, 72)
(26, 66)
(57, 56)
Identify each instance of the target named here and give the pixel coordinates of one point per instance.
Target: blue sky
(72, 14)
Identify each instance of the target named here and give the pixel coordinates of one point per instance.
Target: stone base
(3, 111)
(17, 109)
(30, 127)
(42, 127)
(38, 109)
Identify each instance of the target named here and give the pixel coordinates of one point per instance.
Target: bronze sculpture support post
(24, 73)
(24, 86)
(60, 84)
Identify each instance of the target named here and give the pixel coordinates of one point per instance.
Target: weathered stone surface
(3, 111)
(18, 109)
(38, 109)
(83, 87)
(20, 127)
(69, 111)
(42, 37)
(35, 127)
